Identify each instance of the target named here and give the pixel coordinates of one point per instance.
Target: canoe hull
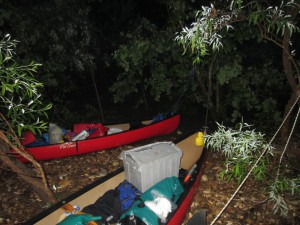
(67, 149)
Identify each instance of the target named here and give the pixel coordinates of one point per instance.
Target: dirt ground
(19, 203)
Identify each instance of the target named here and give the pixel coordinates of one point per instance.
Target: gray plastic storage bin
(146, 165)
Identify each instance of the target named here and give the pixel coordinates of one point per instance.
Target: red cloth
(95, 129)
(27, 138)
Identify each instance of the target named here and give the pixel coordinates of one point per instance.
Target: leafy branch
(241, 146)
(204, 32)
(277, 189)
(276, 21)
(20, 99)
(21, 109)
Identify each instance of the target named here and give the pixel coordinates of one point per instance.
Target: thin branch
(276, 42)
(20, 150)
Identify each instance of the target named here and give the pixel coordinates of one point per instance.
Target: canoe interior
(191, 154)
(126, 126)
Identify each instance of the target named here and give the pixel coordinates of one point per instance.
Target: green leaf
(230, 177)
(3, 89)
(19, 131)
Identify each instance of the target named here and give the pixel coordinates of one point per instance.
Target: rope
(285, 147)
(206, 116)
(257, 161)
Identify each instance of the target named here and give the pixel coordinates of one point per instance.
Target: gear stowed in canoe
(105, 137)
(166, 200)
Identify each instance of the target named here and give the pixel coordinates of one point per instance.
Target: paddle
(199, 218)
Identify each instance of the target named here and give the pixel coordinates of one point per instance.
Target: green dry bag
(150, 208)
(79, 219)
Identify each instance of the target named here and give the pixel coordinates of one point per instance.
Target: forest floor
(18, 202)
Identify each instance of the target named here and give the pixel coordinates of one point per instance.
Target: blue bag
(128, 194)
(158, 117)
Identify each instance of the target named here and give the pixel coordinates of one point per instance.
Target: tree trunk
(210, 104)
(288, 70)
(92, 71)
(27, 175)
(145, 99)
(286, 126)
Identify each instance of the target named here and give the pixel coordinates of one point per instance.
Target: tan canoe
(192, 155)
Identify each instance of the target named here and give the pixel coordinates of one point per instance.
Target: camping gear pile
(158, 189)
(57, 134)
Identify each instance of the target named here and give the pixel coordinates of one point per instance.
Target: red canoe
(192, 157)
(126, 136)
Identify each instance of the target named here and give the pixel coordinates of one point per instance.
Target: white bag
(55, 134)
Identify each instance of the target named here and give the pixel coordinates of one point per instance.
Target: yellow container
(199, 140)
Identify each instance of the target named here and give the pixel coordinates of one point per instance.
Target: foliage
(253, 92)
(234, 77)
(275, 17)
(241, 147)
(60, 36)
(203, 34)
(214, 41)
(151, 66)
(20, 100)
(242, 85)
(70, 37)
(21, 109)
(277, 190)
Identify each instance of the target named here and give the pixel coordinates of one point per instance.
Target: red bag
(95, 129)
(27, 138)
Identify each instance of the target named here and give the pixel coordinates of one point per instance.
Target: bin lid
(149, 153)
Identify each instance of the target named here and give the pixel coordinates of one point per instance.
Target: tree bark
(286, 126)
(92, 71)
(26, 174)
(288, 70)
(210, 104)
